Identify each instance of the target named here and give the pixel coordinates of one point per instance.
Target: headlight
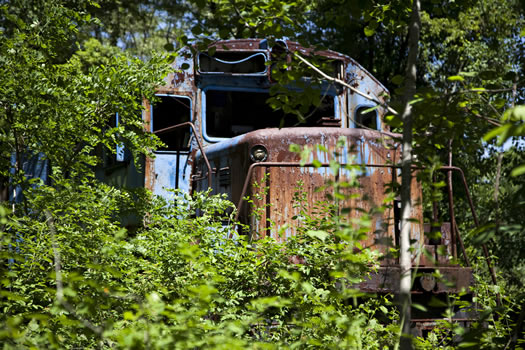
(258, 153)
(427, 281)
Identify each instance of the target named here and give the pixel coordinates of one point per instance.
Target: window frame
(353, 120)
(152, 121)
(213, 139)
(253, 53)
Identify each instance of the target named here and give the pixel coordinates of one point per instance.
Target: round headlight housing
(427, 281)
(258, 153)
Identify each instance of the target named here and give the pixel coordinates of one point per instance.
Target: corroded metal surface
(437, 254)
(274, 190)
(149, 168)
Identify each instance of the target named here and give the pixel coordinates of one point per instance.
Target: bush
(75, 279)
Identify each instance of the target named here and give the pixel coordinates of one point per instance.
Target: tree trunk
(405, 263)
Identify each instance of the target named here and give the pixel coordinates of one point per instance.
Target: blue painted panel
(166, 174)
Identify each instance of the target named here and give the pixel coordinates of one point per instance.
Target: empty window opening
(170, 111)
(365, 119)
(232, 113)
(233, 62)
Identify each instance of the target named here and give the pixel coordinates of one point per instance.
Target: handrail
(476, 222)
(190, 124)
(443, 168)
(291, 165)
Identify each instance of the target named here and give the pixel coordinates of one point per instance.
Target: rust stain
(178, 78)
(149, 169)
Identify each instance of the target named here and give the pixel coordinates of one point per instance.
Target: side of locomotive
(220, 134)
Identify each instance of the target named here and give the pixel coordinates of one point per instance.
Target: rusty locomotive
(220, 133)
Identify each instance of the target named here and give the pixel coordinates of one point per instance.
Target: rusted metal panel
(282, 182)
(182, 78)
(161, 170)
(274, 189)
(149, 167)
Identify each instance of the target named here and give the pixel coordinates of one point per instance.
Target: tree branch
(487, 119)
(405, 263)
(345, 84)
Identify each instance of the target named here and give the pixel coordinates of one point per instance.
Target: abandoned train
(219, 132)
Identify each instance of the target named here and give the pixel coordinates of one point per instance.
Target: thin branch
(487, 119)
(240, 15)
(345, 84)
(486, 90)
(491, 106)
(514, 90)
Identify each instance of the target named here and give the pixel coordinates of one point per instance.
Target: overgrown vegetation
(73, 277)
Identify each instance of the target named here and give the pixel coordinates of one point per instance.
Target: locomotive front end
(221, 134)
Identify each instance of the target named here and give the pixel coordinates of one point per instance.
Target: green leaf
(371, 109)
(455, 78)
(496, 132)
(515, 114)
(518, 171)
(128, 315)
(416, 100)
(318, 234)
(468, 344)
(398, 79)
(295, 148)
(419, 307)
(510, 76)
(394, 121)
(488, 75)
(316, 163)
(482, 234)
(369, 31)
(468, 74)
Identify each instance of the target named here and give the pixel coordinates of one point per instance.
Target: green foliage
(72, 277)
(500, 212)
(178, 281)
(257, 19)
(64, 111)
